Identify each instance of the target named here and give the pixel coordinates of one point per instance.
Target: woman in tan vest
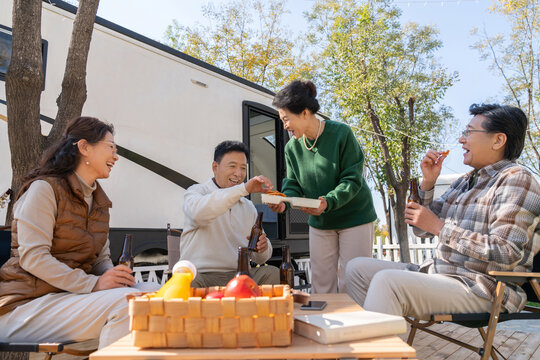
(60, 282)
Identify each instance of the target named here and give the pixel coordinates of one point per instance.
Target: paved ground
(530, 326)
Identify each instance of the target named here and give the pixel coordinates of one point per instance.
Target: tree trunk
(24, 81)
(73, 96)
(401, 226)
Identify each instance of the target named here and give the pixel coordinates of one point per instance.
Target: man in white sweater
(218, 220)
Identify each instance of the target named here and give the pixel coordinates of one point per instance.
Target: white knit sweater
(217, 222)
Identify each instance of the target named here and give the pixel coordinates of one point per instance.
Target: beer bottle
(286, 269)
(127, 255)
(243, 261)
(414, 195)
(256, 232)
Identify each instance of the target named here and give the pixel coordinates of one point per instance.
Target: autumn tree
(383, 79)
(24, 83)
(245, 38)
(516, 58)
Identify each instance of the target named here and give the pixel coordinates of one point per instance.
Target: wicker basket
(200, 323)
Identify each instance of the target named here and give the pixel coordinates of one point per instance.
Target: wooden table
(302, 348)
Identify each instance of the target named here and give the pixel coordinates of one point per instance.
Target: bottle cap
(181, 265)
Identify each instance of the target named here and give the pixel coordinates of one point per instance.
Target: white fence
(420, 249)
(150, 273)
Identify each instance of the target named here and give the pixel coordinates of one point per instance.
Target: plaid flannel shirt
(493, 226)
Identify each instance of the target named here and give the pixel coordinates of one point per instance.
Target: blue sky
(454, 18)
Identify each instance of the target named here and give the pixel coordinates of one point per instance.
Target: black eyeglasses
(466, 133)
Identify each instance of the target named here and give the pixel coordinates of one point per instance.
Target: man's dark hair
(228, 146)
(297, 96)
(506, 119)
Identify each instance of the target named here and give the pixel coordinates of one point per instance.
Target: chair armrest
(513, 276)
(31, 347)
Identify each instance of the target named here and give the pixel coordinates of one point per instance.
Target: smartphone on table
(314, 305)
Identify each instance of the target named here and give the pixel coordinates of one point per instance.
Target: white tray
(296, 202)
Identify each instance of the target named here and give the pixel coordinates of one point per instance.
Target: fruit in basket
(242, 286)
(215, 295)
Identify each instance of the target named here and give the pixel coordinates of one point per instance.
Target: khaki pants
(68, 316)
(331, 250)
(262, 275)
(389, 287)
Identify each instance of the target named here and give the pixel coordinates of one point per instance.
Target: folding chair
(173, 246)
(7, 350)
(491, 319)
(16, 350)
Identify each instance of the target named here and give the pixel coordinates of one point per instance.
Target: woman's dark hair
(297, 96)
(506, 119)
(62, 158)
(228, 146)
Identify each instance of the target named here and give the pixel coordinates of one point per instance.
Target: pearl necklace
(316, 138)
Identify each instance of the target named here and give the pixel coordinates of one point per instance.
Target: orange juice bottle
(178, 286)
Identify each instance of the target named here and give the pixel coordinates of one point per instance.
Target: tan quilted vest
(77, 241)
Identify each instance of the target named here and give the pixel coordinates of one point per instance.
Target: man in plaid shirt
(489, 219)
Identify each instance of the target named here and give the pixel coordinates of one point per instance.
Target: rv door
(265, 137)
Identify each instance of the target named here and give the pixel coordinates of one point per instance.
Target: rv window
(5, 53)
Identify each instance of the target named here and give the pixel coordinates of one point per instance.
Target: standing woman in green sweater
(325, 161)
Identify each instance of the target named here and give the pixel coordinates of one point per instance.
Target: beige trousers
(389, 287)
(331, 250)
(262, 275)
(68, 316)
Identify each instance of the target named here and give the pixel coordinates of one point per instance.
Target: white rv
(169, 111)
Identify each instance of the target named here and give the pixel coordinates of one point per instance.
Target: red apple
(215, 295)
(242, 286)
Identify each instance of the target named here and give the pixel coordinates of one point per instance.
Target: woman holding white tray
(325, 161)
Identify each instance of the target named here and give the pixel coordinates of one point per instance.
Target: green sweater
(332, 169)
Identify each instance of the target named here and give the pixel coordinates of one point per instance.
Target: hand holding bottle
(256, 233)
(118, 276)
(262, 243)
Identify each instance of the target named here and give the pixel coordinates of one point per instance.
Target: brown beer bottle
(286, 269)
(414, 195)
(127, 255)
(243, 261)
(256, 232)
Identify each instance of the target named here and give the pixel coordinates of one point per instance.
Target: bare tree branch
(73, 95)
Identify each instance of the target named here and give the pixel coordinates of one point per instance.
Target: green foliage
(384, 80)
(373, 67)
(516, 58)
(246, 38)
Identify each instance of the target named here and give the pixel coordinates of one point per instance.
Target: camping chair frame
(173, 246)
(49, 349)
(486, 319)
